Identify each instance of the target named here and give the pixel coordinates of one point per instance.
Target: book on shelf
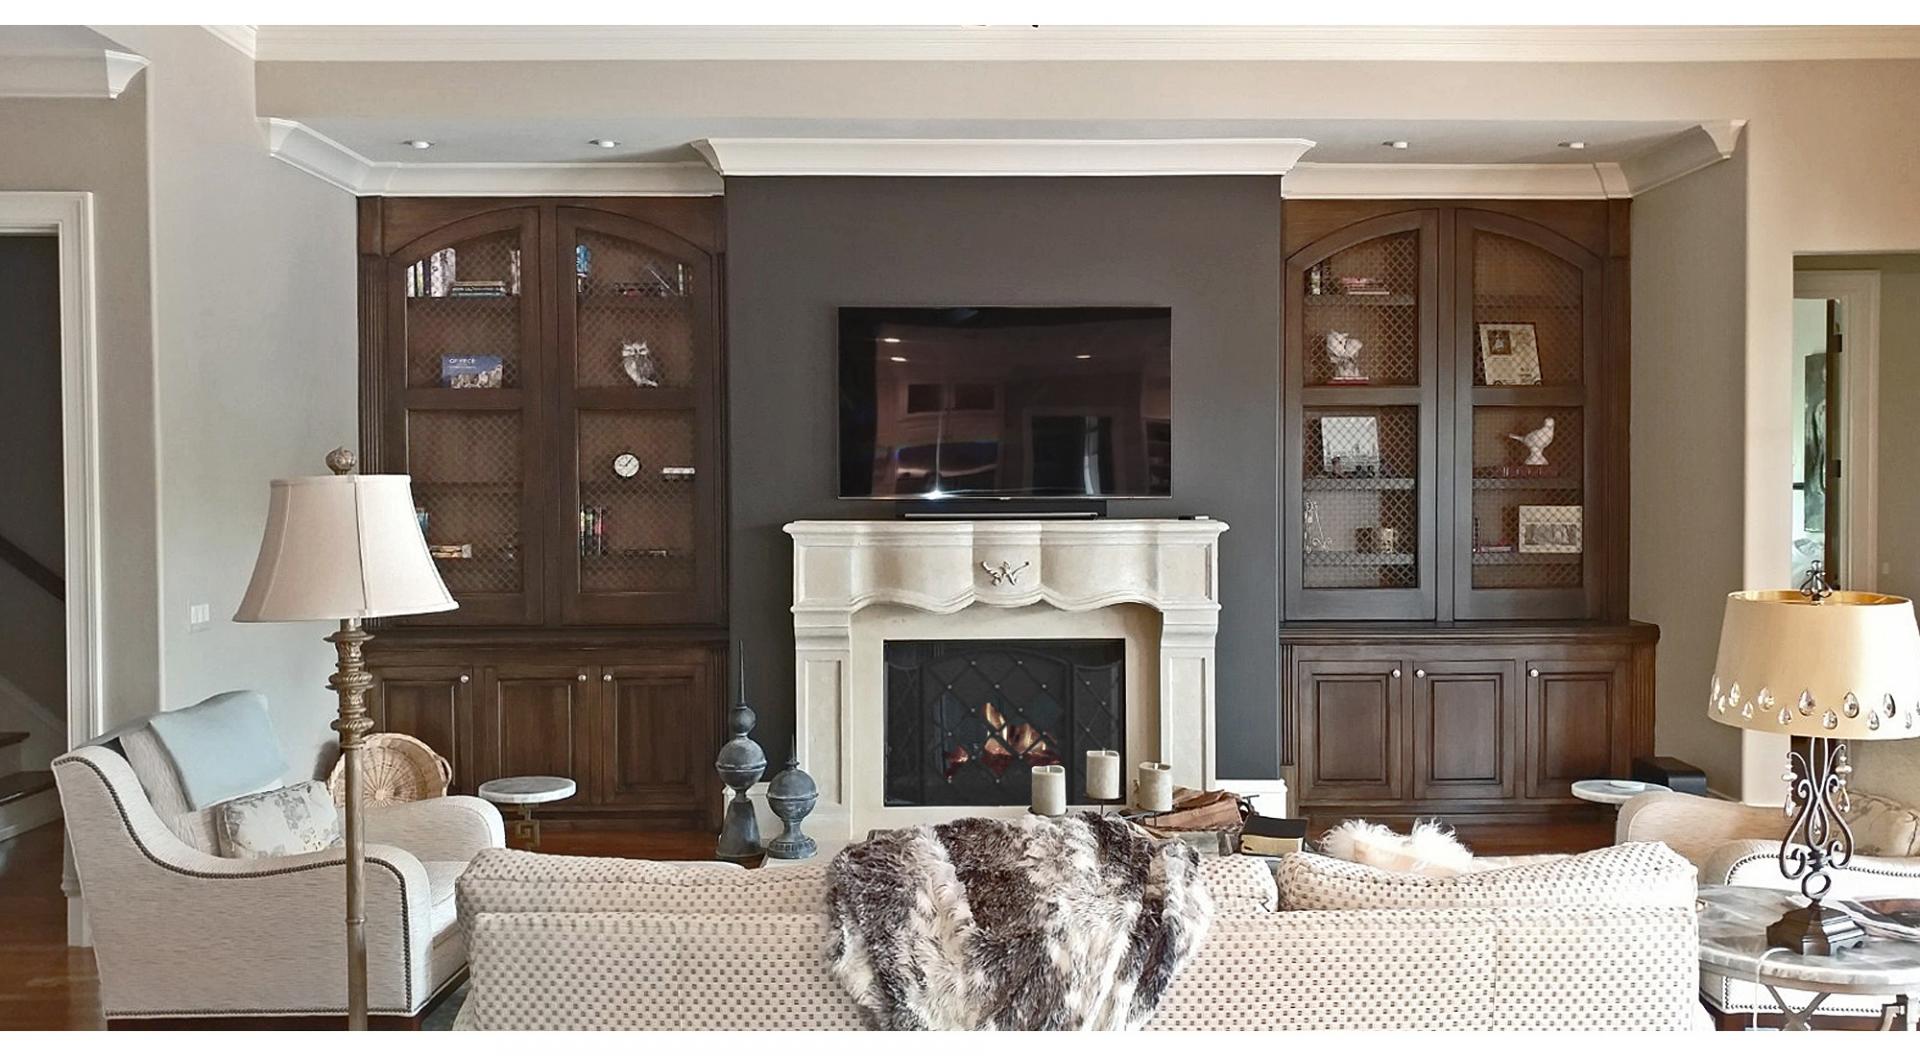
(477, 288)
(471, 372)
(593, 531)
(1514, 472)
(451, 551)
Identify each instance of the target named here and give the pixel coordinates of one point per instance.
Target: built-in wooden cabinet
(549, 372)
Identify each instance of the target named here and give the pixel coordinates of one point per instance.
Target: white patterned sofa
(181, 934)
(1602, 941)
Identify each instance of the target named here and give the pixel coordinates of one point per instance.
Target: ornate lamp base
(1815, 930)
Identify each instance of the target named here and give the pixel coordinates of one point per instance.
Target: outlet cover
(199, 616)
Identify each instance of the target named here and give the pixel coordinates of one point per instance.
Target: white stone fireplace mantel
(856, 582)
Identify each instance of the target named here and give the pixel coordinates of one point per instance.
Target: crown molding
(1087, 43)
(1681, 155)
(1001, 157)
(243, 39)
(78, 74)
(340, 165)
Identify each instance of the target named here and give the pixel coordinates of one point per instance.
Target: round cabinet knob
(582, 676)
(1533, 672)
(1396, 672)
(464, 679)
(607, 677)
(1419, 672)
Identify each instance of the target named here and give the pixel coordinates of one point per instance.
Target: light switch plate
(199, 616)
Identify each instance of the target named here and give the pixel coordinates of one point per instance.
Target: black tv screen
(1006, 403)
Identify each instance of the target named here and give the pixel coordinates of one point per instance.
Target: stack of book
(477, 288)
(1361, 286)
(1514, 472)
(593, 531)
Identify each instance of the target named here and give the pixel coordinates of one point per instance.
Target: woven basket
(394, 768)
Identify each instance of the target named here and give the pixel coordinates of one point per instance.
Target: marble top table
(1733, 925)
(1609, 790)
(526, 793)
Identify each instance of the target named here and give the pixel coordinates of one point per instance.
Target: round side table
(1609, 790)
(1733, 938)
(527, 793)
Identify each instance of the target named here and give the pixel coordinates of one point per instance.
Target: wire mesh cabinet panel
(1528, 350)
(1361, 390)
(637, 459)
(463, 325)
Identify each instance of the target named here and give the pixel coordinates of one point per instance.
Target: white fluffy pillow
(1430, 850)
(291, 820)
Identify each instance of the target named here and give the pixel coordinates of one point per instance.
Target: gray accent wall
(799, 248)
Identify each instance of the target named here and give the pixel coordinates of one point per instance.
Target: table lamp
(346, 547)
(1824, 667)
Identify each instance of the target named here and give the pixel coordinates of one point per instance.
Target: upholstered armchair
(181, 934)
(1732, 843)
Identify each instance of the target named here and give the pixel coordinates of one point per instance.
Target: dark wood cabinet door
(1361, 397)
(1575, 724)
(658, 732)
(433, 704)
(1465, 729)
(464, 378)
(1528, 355)
(637, 457)
(534, 722)
(1351, 720)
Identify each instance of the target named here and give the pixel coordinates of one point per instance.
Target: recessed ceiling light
(604, 144)
(898, 359)
(418, 144)
(889, 340)
(1575, 144)
(1397, 144)
(1084, 355)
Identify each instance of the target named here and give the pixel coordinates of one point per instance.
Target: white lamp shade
(341, 547)
(1847, 668)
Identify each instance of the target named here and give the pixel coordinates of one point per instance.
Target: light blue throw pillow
(222, 747)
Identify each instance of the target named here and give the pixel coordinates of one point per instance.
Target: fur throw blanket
(1076, 923)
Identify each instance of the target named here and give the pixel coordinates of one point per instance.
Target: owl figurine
(1343, 355)
(1536, 442)
(637, 360)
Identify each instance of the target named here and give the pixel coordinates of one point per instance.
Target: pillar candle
(1103, 774)
(1154, 790)
(1050, 790)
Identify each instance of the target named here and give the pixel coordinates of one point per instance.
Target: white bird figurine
(637, 360)
(1536, 442)
(1343, 354)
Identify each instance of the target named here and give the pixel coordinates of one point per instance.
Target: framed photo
(1551, 529)
(1350, 445)
(1509, 354)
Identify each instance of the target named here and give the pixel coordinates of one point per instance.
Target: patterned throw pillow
(291, 820)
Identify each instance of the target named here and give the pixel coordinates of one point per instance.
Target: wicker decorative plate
(394, 768)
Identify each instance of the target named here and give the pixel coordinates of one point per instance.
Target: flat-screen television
(1003, 403)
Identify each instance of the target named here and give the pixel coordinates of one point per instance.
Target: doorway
(1836, 396)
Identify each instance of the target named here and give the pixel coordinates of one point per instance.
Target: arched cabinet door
(463, 311)
(1528, 342)
(637, 454)
(1361, 410)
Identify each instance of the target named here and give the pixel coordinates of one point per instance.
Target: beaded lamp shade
(1845, 667)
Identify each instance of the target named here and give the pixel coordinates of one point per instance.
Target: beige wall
(255, 337)
(1893, 768)
(101, 146)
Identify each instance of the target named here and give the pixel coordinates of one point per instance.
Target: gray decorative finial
(792, 794)
(740, 764)
(342, 461)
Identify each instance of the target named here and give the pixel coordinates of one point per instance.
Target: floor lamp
(345, 547)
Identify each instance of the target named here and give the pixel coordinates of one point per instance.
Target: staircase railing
(29, 566)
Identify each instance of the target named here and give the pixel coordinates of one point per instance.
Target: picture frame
(1551, 529)
(1509, 354)
(1350, 445)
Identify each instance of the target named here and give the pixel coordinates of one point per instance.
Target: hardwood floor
(46, 985)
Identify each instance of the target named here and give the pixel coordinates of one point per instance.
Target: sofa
(1599, 941)
(1732, 843)
(182, 935)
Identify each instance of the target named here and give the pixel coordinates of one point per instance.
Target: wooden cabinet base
(636, 723)
(1470, 723)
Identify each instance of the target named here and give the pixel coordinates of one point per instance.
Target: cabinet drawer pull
(582, 676)
(608, 677)
(1419, 672)
(1396, 672)
(464, 679)
(1533, 672)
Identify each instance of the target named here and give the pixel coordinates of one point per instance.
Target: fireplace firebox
(966, 720)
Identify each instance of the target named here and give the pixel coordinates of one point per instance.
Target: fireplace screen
(966, 720)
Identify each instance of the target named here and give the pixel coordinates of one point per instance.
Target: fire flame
(1006, 746)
